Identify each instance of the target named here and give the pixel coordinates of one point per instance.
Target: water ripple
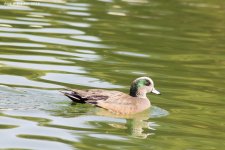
(44, 30)
(52, 40)
(13, 22)
(61, 68)
(78, 80)
(56, 6)
(22, 81)
(21, 44)
(33, 58)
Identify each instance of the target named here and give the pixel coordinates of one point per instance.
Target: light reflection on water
(86, 81)
(52, 40)
(49, 46)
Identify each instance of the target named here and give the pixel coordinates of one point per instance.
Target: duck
(115, 101)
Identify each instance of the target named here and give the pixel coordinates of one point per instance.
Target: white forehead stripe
(146, 78)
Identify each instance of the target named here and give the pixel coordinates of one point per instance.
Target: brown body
(114, 101)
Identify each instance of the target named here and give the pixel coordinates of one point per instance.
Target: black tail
(75, 97)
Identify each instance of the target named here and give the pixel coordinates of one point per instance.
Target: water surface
(47, 46)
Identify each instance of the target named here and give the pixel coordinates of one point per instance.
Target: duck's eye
(147, 83)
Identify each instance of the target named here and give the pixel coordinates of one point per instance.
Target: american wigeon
(115, 101)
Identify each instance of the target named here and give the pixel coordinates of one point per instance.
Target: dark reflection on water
(47, 46)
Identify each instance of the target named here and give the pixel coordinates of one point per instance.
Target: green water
(46, 46)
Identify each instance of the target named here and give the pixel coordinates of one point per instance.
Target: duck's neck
(137, 91)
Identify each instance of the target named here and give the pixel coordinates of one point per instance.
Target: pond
(48, 46)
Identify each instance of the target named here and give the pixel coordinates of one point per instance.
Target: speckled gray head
(141, 86)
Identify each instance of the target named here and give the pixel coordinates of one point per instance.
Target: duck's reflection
(136, 125)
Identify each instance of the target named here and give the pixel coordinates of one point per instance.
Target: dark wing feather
(84, 96)
(75, 97)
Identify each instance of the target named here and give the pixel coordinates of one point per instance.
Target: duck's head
(141, 86)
